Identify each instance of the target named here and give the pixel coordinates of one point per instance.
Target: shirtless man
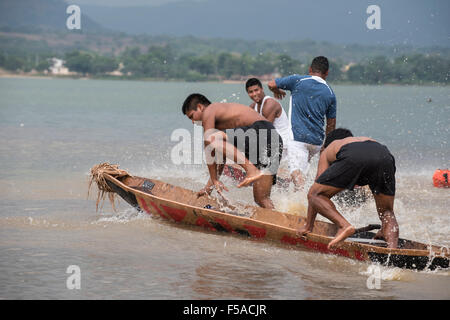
(345, 162)
(218, 117)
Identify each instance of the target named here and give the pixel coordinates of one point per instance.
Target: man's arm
(324, 161)
(216, 141)
(331, 125)
(278, 93)
(271, 110)
(209, 124)
(331, 115)
(326, 158)
(207, 189)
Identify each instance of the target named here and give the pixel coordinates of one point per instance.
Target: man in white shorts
(312, 100)
(299, 159)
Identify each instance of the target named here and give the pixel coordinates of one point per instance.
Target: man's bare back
(230, 115)
(335, 146)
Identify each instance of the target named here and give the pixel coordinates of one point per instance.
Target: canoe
(180, 205)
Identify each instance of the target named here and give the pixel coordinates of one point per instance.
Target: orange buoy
(441, 178)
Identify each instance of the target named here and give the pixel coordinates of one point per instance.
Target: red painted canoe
(182, 206)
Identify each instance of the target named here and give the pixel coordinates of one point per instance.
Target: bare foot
(250, 179)
(341, 235)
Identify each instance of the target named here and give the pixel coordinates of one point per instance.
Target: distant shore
(5, 74)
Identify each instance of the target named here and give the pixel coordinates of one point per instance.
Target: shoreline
(119, 78)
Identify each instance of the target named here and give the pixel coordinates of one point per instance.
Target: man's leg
(298, 158)
(300, 155)
(283, 170)
(319, 196)
(218, 142)
(261, 191)
(389, 226)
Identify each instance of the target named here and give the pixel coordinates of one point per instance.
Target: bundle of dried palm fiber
(97, 175)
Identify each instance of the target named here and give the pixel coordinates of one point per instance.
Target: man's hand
(203, 192)
(303, 230)
(206, 190)
(277, 93)
(219, 186)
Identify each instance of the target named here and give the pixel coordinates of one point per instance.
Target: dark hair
(320, 64)
(252, 82)
(192, 100)
(337, 134)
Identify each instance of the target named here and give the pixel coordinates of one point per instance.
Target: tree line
(163, 62)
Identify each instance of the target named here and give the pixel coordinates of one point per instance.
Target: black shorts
(261, 144)
(362, 163)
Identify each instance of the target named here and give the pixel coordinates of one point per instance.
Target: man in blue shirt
(312, 100)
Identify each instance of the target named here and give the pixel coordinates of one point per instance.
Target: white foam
(124, 216)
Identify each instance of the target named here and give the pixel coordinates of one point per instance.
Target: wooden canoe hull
(174, 204)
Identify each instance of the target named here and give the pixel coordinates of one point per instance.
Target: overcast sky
(416, 22)
(127, 3)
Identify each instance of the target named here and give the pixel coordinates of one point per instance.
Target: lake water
(53, 131)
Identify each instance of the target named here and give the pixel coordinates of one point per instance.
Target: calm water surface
(53, 131)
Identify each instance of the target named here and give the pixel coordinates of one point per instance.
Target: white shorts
(284, 163)
(300, 154)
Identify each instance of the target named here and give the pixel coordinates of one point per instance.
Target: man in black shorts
(345, 162)
(262, 152)
(255, 141)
